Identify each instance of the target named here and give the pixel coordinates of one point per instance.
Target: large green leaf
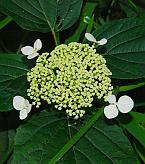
(6, 143)
(125, 50)
(42, 15)
(135, 125)
(7, 134)
(12, 79)
(133, 8)
(129, 8)
(41, 138)
(87, 11)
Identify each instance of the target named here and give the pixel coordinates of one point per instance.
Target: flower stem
(76, 137)
(140, 104)
(24, 37)
(56, 38)
(133, 4)
(4, 22)
(130, 87)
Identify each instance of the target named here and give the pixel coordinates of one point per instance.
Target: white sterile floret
(124, 105)
(102, 41)
(111, 99)
(31, 52)
(111, 111)
(23, 105)
(91, 38)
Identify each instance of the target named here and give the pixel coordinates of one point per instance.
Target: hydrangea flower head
(70, 77)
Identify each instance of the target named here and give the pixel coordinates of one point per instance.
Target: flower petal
(111, 111)
(27, 50)
(23, 114)
(28, 106)
(102, 41)
(90, 37)
(125, 104)
(18, 102)
(33, 55)
(37, 45)
(111, 99)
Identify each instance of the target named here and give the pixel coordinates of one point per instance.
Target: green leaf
(43, 15)
(125, 50)
(87, 11)
(129, 8)
(6, 143)
(42, 137)
(12, 79)
(7, 134)
(135, 125)
(140, 150)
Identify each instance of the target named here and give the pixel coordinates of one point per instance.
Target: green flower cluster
(70, 76)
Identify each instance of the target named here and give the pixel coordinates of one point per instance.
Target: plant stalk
(56, 37)
(4, 22)
(76, 137)
(130, 87)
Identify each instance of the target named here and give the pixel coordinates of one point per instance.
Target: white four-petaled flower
(23, 105)
(91, 38)
(124, 105)
(32, 52)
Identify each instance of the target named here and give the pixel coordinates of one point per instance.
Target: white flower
(124, 105)
(31, 52)
(23, 105)
(91, 38)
